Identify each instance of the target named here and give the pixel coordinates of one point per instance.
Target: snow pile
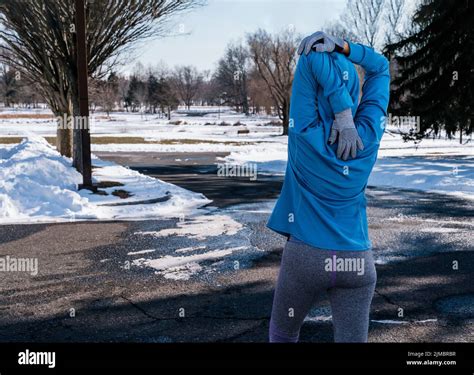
(37, 184)
(142, 188)
(35, 181)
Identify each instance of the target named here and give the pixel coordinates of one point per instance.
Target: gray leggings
(307, 274)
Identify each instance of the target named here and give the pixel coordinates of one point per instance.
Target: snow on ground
(439, 165)
(212, 127)
(201, 227)
(183, 267)
(199, 246)
(39, 185)
(322, 314)
(454, 176)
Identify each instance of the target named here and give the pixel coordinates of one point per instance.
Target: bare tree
(337, 28)
(232, 76)
(187, 81)
(372, 22)
(362, 18)
(394, 18)
(105, 93)
(274, 57)
(38, 38)
(260, 99)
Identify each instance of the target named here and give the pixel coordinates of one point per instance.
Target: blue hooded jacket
(322, 201)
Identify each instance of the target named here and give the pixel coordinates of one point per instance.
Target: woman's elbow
(384, 65)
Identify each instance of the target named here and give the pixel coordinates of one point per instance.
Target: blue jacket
(322, 202)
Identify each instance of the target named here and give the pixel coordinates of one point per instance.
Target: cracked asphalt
(83, 292)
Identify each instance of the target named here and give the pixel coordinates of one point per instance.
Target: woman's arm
(313, 71)
(372, 110)
(327, 76)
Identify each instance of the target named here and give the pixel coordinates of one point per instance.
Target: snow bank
(37, 184)
(35, 181)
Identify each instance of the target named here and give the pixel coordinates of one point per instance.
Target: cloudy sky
(202, 35)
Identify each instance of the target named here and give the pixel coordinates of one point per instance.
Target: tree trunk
(245, 106)
(64, 142)
(64, 134)
(77, 145)
(62, 109)
(286, 118)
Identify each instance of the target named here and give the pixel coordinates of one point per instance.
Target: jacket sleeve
(328, 77)
(316, 71)
(372, 110)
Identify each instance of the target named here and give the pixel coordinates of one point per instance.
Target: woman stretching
(332, 147)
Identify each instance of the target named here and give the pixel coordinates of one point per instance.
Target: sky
(201, 36)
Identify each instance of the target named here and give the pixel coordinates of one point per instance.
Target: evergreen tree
(136, 93)
(435, 73)
(166, 97)
(9, 87)
(153, 88)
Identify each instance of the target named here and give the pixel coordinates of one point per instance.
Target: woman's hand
(321, 42)
(344, 130)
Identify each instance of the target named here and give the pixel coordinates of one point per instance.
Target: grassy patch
(34, 116)
(15, 140)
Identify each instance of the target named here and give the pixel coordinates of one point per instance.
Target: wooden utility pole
(82, 73)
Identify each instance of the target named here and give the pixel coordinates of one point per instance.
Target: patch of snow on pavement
(403, 218)
(200, 227)
(141, 252)
(183, 267)
(389, 321)
(190, 249)
(441, 230)
(201, 246)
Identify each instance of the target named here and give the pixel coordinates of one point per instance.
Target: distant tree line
(253, 77)
(15, 92)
